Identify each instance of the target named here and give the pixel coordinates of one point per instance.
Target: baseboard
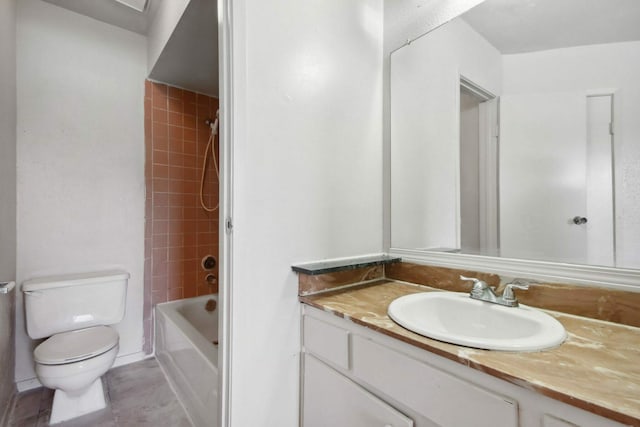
(6, 414)
(126, 359)
(28, 384)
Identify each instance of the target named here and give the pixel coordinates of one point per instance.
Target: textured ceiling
(531, 25)
(190, 57)
(111, 12)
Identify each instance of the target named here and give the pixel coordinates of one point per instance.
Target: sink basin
(455, 318)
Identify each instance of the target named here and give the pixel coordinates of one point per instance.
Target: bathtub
(185, 333)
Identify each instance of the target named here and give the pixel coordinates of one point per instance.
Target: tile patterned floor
(137, 395)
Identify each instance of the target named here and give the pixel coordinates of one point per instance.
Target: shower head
(213, 124)
(209, 121)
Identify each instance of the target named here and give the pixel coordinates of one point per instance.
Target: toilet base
(66, 407)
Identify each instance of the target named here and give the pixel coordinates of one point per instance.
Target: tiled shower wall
(178, 231)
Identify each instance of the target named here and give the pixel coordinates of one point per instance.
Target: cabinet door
(551, 421)
(332, 400)
(326, 341)
(442, 398)
(568, 416)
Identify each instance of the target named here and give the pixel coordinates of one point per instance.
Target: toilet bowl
(72, 364)
(73, 311)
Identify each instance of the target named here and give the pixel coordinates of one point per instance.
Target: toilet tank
(66, 303)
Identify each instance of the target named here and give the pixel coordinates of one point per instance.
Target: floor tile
(103, 418)
(46, 399)
(31, 421)
(169, 415)
(137, 395)
(27, 405)
(139, 386)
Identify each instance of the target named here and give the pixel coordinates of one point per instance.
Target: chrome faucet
(483, 292)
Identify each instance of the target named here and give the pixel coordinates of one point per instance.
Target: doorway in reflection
(479, 230)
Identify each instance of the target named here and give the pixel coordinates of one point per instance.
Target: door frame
(611, 95)
(226, 12)
(489, 171)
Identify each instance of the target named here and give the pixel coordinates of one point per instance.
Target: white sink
(456, 318)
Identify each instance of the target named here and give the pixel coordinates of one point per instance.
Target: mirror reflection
(515, 132)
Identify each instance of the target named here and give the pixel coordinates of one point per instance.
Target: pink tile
(175, 240)
(175, 294)
(160, 199)
(175, 105)
(175, 132)
(159, 130)
(159, 115)
(190, 108)
(176, 119)
(161, 142)
(160, 227)
(160, 241)
(160, 185)
(189, 134)
(175, 92)
(158, 296)
(147, 89)
(189, 121)
(189, 96)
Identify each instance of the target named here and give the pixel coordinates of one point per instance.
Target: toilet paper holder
(6, 287)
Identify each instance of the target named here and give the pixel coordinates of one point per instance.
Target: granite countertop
(346, 264)
(596, 369)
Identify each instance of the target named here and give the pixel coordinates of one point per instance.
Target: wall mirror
(515, 133)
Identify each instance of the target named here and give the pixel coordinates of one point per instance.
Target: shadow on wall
(7, 331)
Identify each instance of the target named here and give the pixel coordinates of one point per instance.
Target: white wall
(189, 57)
(406, 21)
(607, 67)
(166, 17)
(7, 194)
(409, 20)
(80, 157)
(308, 172)
(425, 87)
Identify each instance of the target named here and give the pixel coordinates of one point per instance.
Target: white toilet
(73, 312)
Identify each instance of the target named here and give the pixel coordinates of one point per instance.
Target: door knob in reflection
(579, 220)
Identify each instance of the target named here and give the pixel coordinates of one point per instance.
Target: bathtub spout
(210, 305)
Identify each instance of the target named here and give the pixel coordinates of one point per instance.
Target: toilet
(73, 312)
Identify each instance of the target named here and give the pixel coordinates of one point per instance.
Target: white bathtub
(185, 333)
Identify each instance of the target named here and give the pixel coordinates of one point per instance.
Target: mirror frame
(427, 20)
(545, 271)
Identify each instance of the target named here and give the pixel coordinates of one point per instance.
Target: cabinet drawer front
(326, 341)
(332, 400)
(551, 421)
(442, 398)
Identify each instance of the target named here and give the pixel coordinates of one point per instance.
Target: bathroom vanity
(362, 369)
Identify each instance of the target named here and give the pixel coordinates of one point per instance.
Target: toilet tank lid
(73, 280)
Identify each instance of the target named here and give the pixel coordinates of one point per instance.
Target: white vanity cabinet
(333, 400)
(353, 376)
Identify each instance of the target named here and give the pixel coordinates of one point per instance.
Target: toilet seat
(74, 346)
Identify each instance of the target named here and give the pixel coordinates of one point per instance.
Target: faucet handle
(508, 296)
(478, 285)
(471, 279)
